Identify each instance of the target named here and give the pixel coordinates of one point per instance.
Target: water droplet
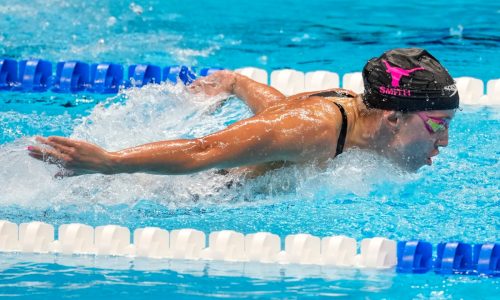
(137, 9)
(111, 21)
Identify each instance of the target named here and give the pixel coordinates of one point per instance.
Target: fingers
(48, 155)
(59, 155)
(36, 152)
(63, 147)
(60, 147)
(36, 155)
(195, 88)
(210, 85)
(58, 140)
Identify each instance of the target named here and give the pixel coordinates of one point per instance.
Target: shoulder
(315, 112)
(315, 121)
(324, 108)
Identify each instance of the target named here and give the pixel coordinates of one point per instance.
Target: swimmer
(403, 114)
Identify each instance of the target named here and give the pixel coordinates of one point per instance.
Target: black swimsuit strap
(343, 130)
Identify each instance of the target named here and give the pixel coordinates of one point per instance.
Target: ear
(392, 120)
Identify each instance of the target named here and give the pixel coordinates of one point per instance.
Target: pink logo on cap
(398, 73)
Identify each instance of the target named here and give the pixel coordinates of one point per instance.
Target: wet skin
(296, 129)
(414, 147)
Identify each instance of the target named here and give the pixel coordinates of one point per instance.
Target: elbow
(196, 159)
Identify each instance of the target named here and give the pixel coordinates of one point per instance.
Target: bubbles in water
(263, 59)
(299, 39)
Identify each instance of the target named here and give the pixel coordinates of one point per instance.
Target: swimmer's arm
(291, 137)
(294, 135)
(256, 95)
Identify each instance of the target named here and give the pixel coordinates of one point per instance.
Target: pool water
(359, 194)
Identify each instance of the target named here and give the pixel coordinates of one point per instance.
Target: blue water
(358, 194)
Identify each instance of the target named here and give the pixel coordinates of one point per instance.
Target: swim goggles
(433, 124)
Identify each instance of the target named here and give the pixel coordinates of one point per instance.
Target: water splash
(161, 112)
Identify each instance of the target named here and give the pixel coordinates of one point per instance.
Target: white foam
(161, 112)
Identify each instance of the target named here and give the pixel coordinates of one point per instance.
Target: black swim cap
(407, 80)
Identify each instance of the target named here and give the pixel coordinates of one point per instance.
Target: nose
(442, 140)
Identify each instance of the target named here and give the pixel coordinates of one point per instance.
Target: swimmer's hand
(76, 157)
(258, 96)
(214, 84)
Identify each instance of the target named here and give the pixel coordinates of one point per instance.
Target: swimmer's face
(415, 143)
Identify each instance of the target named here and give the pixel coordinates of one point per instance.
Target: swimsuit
(343, 131)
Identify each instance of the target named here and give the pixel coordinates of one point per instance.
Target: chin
(411, 164)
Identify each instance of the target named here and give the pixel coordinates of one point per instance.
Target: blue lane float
(171, 73)
(71, 77)
(486, 259)
(105, 78)
(414, 257)
(453, 258)
(186, 76)
(35, 75)
(8, 73)
(141, 75)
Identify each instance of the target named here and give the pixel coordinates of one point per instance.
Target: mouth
(429, 158)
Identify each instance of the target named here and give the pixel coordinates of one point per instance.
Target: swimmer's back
(331, 94)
